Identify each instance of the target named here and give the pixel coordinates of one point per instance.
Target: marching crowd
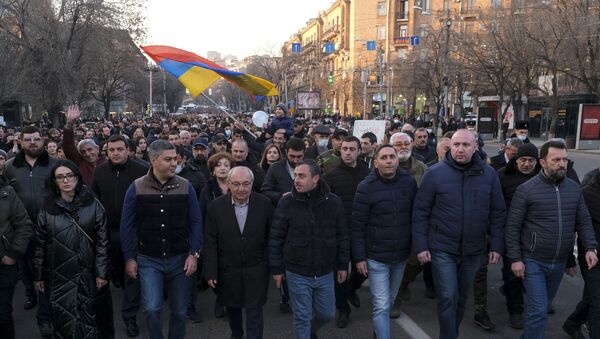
(163, 208)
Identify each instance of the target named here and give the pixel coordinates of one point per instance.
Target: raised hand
(73, 113)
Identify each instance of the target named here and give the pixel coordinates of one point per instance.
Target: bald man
(459, 203)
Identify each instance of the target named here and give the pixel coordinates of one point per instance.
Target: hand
(278, 279)
(571, 271)
(131, 268)
(341, 276)
(8, 261)
(212, 283)
(493, 257)
(73, 113)
(39, 285)
(361, 266)
(591, 258)
(100, 282)
(518, 269)
(424, 257)
(191, 263)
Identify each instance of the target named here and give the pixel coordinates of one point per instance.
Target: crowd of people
(166, 207)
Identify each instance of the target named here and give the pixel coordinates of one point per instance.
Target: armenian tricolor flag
(197, 73)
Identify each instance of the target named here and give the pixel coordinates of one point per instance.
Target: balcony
(308, 47)
(331, 32)
(402, 41)
(402, 16)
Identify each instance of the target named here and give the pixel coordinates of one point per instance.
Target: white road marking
(411, 327)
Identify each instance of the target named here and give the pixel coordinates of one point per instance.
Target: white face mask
(323, 143)
(429, 130)
(522, 137)
(178, 169)
(228, 133)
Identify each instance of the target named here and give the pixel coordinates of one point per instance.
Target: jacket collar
(42, 160)
(317, 193)
(547, 180)
(475, 167)
(154, 183)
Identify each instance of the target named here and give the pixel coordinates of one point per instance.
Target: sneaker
(132, 329)
(404, 293)
(30, 303)
(343, 318)
(482, 319)
(284, 307)
(194, 316)
(353, 299)
(430, 292)
(573, 331)
(516, 320)
(395, 311)
(219, 310)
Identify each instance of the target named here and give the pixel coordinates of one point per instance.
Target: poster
(590, 122)
(376, 127)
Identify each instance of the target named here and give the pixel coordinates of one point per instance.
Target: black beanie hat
(527, 150)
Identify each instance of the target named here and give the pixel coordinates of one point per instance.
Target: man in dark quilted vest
(161, 236)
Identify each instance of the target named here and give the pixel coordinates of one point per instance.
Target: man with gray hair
(237, 229)
(500, 160)
(161, 237)
(86, 154)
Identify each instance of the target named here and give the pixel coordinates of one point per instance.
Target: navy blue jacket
(381, 218)
(457, 207)
(284, 122)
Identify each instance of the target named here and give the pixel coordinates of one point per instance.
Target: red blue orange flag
(197, 73)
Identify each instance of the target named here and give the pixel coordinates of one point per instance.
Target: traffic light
(330, 78)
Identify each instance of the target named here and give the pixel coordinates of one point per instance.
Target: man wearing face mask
(521, 131)
(321, 134)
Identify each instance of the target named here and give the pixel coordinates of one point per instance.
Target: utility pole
(446, 62)
(150, 99)
(164, 93)
(380, 80)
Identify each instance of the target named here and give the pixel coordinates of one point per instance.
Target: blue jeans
(153, 273)
(541, 282)
(453, 276)
(384, 282)
(308, 294)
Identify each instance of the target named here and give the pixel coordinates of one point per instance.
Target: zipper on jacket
(560, 228)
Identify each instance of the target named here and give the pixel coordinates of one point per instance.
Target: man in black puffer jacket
(544, 215)
(381, 232)
(343, 181)
(308, 240)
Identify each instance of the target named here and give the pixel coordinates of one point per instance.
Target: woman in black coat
(71, 253)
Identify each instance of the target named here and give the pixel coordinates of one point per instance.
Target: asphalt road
(419, 319)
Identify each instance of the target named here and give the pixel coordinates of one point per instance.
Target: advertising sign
(308, 100)
(588, 131)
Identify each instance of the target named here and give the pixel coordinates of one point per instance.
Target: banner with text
(376, 127)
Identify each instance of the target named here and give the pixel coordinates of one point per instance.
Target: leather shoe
(219, 310)
(342, 319)
(482, 319)
(516, 320)
(396, 310)
(194, 316)
(132, 329)
(430, 292)
(573, 331)
(29, 303)
(353, 299)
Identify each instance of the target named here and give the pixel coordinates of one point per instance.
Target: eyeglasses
(38, 139)
(239, 184)
(68, 177)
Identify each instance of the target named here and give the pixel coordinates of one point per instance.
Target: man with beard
(422, 148)
(28, 172)
(403, 144)
(523, 167)
(239, 151)
(86, 154)
(197, 163)
(110, 183)
(544, 215)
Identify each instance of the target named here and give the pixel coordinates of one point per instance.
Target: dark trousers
(8, 280)
(103, 308)
(343, 290)
(254, 322)
(25, 273)
(131, 298)
(513, 288)
(412, 270)
(588, 309)
(480, 288)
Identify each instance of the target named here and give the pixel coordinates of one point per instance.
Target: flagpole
(229, 115)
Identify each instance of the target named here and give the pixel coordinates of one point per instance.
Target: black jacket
(29, 182)
(71, 250)
(343, 181)
(511, 178)
(195, 175)
(543, 218)
(238, 261)
(381, 218)
(498, 161)
(110, 183)
(259, 175)
(210, 192)
(277, 181)
(591, 194)
(309, 235)
(16, 228)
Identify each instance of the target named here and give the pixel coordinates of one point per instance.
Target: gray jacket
(543, 218)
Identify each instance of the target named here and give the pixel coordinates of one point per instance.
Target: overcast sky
(238, 27)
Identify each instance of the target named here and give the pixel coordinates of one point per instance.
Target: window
(496, 3)
(469, 5)
(425, 5)
(403, 10)
(403, 31)
(381, 8)
(423, 30)
(381, 33)
(447, 5)
(469, 25)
